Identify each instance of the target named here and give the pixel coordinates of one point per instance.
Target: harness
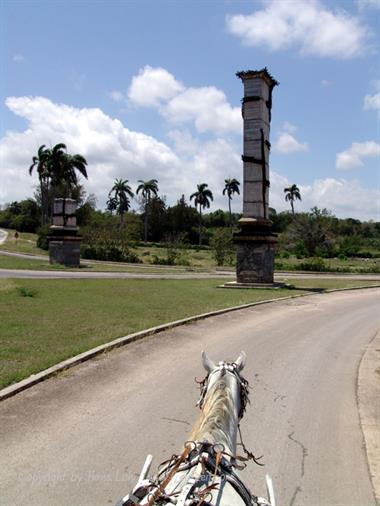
(207, 468)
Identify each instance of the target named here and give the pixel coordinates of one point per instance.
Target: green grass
(10, 262)
(26, 243)
(45, 321)
(351, 265)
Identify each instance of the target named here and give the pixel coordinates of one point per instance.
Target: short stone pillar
(255, 240)
(64, 241)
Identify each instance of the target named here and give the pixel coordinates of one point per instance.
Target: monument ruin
(64, 241)
(255, 240)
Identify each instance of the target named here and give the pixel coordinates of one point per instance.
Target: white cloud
(352, 157)
(152, 86)
(18, 58)
(325, 83)
(116, 96)
(303, 24)
(184, 142)
(372, 102)
(368, 4)
(346, 199)
(110, 149)
(289, 127)
(286, 142)
(206, 107)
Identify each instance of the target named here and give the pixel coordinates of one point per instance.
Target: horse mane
(217, 420)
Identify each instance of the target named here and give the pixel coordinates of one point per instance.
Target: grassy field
(198, 259)
(10, 262)
(26, 243)
(44, 322)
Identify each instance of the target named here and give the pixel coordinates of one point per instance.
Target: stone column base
(254, 262)
(255, 250)
(64, 247)
(65, 252)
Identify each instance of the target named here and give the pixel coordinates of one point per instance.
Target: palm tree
(231, 186)
(147, 189)
(64, 167)
(202, 198)
(57, 170)
(41, 163)
(120, 202)
(292, 193)
(111, 204)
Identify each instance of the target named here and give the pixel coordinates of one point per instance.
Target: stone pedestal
(255, 249)
(64, 241)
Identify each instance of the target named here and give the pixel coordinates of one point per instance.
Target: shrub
(42, 239)
(223, 247)
(315, 264)
(162, 261)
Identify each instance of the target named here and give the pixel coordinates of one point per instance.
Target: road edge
(34, 379)
(368, 395)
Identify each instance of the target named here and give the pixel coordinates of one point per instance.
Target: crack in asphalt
(304, 452)
(304, 455)
(297, 489)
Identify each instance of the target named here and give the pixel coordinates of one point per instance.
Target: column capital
(263, 74)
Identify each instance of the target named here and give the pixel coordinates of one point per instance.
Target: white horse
(205, 472)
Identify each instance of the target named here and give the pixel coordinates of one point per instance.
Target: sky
(147, 89)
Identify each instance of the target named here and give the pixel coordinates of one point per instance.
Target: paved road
(31, 274)
(79, 439)
(3, 236)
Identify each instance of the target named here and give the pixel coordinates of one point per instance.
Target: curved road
(80, 439)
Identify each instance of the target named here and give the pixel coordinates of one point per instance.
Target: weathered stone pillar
(64, 241)
(255, 241)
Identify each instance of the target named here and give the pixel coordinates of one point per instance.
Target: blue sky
(147, 89)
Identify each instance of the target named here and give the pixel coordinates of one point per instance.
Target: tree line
(317, 232)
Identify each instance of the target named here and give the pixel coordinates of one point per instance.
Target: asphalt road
(31, 274)
(80, 439)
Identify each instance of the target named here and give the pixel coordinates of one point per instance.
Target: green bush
(223, 247)
(110, 254)
(315, 264)
(162, 261)
(42, 239)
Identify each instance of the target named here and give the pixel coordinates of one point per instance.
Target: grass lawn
(10, 262)
(45, 321)
(26, 243)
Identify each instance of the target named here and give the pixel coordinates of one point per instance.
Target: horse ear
(208, 364)
(240, 361)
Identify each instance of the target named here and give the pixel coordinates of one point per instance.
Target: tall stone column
(255, 241)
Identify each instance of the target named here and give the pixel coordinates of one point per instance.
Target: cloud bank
(305, 25)
(114, 151)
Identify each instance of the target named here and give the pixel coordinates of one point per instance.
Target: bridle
(226, 368)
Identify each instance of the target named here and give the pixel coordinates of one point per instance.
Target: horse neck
(219, 418)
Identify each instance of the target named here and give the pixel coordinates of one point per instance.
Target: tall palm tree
(120, 202)
(202, 198)
(147, 189)
(57, 170)
(292, 193)
(41, 163)
(64, 167)
(231, 186)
